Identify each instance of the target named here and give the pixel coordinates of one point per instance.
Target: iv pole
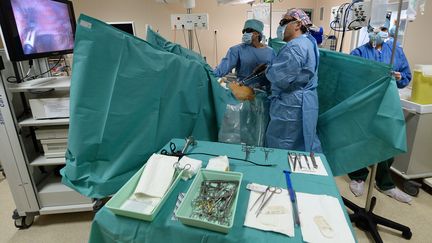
(190, 33)
(271, 20)
(375, 166)
(189, 4)
(364, 218)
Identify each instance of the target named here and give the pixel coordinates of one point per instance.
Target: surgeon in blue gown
(245, 57)
(390, 40)
(379, 50)
(293, 78)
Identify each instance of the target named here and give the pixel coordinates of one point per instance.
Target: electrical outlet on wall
(189, 21)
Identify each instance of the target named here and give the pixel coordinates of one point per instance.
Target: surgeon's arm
(285, 68)
(404, 70)
(228, 63)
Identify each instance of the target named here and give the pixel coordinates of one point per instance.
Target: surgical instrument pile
(214, 201)
(247, 149)
(264, 200)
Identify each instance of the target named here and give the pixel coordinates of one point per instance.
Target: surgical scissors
(172, 148)
(177, 166)
(178, 170)
(272, 190)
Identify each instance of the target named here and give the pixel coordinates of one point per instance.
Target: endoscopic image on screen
(43, 25)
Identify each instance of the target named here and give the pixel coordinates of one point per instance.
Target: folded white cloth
(156, 177)
(143, 205)
(322, 219)
(220, 163)
(276, 216)
(195, 166)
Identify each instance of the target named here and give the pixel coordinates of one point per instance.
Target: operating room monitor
(37, 28)
(127, 27)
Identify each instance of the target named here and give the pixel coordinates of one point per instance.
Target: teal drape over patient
(129, 97)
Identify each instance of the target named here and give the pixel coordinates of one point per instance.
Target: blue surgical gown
(244, 58)
(384, 55)
(390, 42)
(294, 98)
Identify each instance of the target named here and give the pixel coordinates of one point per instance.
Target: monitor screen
(37, 28)
(127, 27)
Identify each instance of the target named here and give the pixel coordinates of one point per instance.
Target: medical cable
(196, 37)
(184, 36)
(344, 27)
(257, 164)
(49, 70)
(175, 33)
(8, 79)
(216, 47)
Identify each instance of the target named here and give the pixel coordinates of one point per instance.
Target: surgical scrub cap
(254, 24)
(300, 15)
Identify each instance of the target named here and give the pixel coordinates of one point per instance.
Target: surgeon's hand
(259, 69)
(397, 75)
(222, 80)
(242, 92)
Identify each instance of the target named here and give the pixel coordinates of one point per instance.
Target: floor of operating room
(75, 227)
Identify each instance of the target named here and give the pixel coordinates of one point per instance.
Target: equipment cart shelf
(43, 161)
(45, 122)
(416, 163)
(32, 162)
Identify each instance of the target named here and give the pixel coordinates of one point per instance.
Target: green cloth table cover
(108, 227)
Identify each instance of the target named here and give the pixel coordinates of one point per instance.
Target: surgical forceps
(272, 190)
(247, 149)
(266, 152)
(292, 157)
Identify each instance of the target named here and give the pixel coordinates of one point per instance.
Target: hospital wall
(417, 45)
(229, 28)
(227, 20)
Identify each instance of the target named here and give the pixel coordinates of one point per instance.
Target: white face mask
(247, 38)
(384, 35)
(263, 39)
(375, 38)
(281, 31)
